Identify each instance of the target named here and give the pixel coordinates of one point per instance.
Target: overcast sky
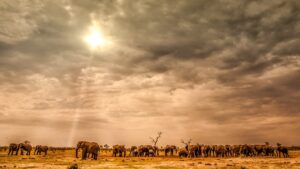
(218, 72)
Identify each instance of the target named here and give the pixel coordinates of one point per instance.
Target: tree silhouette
(154, 141)
(186, 143)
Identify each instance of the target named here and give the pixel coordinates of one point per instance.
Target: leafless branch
(154, 141)
(186, 143)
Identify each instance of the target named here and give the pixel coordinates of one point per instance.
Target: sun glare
(94, 39)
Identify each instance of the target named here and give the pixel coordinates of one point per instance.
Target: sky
(218, 72)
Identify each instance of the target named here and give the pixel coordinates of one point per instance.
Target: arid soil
(63, 159)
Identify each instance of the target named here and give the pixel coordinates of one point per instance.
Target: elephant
(88, 148)
(156, 150)
(220, 151)
(80, 145)
(259, 150)
(119, 149)
(236, 150)
(282, 150)
(146, 150)
(13, 147)
(205, 150)
(39, 149)
(93, 149)
(194, 150)
(213, 150)
(183, 152)
(36, 149)
(133, 151)
(170, 149)
(247, 150)
(24, 146)
(269, 150)
(228, 150)
(153, 150)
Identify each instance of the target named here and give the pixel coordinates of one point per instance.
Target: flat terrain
(63, 159)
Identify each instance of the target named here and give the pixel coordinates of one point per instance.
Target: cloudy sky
(219, 72)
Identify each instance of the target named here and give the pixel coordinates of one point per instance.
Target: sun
(94, 39)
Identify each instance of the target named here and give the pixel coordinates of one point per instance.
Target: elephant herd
(92, 149)
(120, 150)
(199, 151)
(144, 151)
(233, 150)
(15, 148)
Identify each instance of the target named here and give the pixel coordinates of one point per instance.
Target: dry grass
(62, 159)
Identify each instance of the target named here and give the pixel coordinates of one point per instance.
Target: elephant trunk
(10, 151)
(17, 150)
(84, 153)
(76, 152)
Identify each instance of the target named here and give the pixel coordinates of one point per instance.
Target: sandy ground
(62, 159)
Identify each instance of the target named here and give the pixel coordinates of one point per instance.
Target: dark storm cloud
(201, 65)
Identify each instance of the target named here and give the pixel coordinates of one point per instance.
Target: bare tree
(186, 143)
(154, 141)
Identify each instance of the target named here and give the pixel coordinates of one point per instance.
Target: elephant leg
(84, 153)
(95, 156)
